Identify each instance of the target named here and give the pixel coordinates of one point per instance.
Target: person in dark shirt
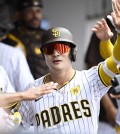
(27, 35)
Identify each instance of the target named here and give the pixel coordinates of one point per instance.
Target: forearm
(106, 48)
(116, 50)
(11, 98)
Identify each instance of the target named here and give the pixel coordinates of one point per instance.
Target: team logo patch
(55, 32)
(75, 90)
(37, 50)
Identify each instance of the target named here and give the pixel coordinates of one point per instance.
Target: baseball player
(74, 106)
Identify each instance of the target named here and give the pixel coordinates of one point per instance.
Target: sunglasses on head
(61, 48)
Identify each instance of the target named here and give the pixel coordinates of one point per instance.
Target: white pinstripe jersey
(72, 109)
(5, 87)
(15, 64)
(118, 113)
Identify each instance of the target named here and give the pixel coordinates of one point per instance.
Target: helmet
(22, 4)
(58, 34)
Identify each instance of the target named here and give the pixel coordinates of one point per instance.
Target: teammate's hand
(115, 96)
(11, 122)
(37, 92)
(115, 15)
(102, 30)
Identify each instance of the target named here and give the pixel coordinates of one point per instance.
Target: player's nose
(55, 52)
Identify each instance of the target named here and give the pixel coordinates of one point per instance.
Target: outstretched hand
(102, 30)
(36, 92)
(116, 13)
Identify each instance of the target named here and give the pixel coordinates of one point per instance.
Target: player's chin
(58, 67)
(36, 26)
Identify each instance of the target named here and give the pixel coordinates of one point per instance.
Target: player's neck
(61, 78)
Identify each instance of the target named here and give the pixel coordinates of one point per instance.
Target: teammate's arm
(109, 68)
(106, 48)
(104, 33)
(30, 94)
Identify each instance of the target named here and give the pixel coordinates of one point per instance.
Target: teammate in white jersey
(74, 106)
(5, 86)
(15, 64)
(12, 59)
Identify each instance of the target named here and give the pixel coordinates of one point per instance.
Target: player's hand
(102, 30)
(115, 15)
(115, 96)
(12, 122)
(37, 92)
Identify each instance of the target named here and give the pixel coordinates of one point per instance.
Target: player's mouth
(56, 61)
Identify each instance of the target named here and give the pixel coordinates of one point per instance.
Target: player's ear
(73, 54)
(43, 56)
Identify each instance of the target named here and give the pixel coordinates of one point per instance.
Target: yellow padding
(116, 50)
(9, 106)
(104, 77)
(110, 63)
(106, 48)
(117, 128)
(112, 66)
